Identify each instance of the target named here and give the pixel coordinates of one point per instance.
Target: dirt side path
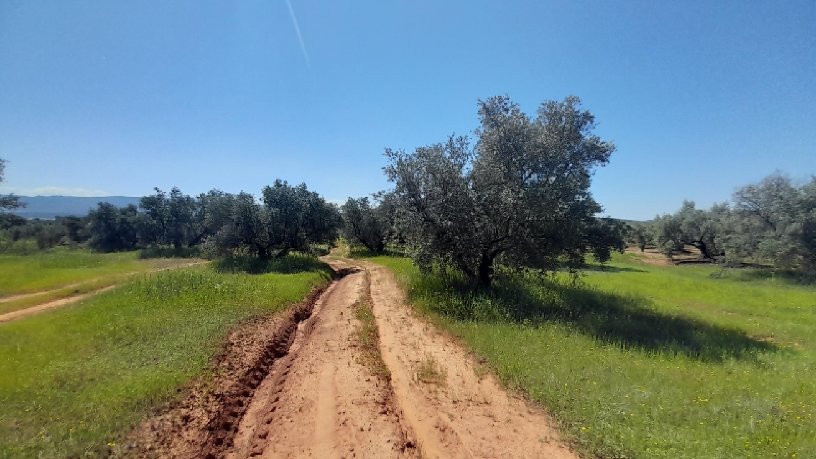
(38, 308)
(463, 413)
(20, 313)
(320, 400)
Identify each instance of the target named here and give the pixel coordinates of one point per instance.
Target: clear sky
(116, 97)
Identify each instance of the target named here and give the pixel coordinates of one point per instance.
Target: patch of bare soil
(649, 256)
(689, 255)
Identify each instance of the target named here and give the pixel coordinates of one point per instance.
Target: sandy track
(320, 401)
(467, 416)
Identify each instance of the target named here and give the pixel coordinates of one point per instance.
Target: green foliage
(640, 236)
(290, 218)
(297, 217)
(169, 252)
(7, 201)
(772, 222)
(364, 224)
(520, 196)
(775, 221)
(76, 379)
(169, 220)
(18, 234)
(113, 229)
(292, 263)
(701, 229)
(646, 361)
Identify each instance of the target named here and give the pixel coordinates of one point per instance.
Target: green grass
(77, 378)
(646, 361)
(57, 268)
(368, 336)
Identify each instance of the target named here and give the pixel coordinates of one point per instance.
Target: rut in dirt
(322, 400)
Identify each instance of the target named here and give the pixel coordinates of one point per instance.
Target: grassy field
(74, 379)
(57, 268)
(647, 361)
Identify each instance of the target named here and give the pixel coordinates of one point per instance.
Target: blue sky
(117, 97)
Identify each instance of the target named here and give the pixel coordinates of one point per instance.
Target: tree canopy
(520, 195)
(365, 224)
(7, 201)
(770, 222)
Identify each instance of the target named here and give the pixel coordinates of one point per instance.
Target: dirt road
(320, 399)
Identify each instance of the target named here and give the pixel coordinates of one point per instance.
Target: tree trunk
(485, 271)
(703, 249)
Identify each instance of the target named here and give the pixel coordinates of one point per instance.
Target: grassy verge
(646, 361)
(56, 268)
(74, 379)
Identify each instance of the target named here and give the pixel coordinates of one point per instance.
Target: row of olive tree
(286, 218)
(773, 221)
(519, 196)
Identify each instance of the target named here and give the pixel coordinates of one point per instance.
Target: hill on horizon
(49, 207)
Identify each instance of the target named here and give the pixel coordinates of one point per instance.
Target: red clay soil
(204, 423)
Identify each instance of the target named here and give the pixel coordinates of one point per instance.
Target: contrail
(297, 30)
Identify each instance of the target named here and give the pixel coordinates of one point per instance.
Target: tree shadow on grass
(787, 277)
(290, 264)
(626, 321)
(612, 269)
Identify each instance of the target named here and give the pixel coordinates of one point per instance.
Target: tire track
(320, 400)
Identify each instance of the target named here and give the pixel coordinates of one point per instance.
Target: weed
(429, 371)
(368, 336)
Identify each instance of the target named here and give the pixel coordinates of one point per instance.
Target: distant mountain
(63, 206)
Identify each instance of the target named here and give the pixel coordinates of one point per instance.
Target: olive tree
(775, 220)
(363, 224)
(640, 235)
(296, 217)
(7, 201)
(169, 219)
(691, 226)
(519, 196)
(112, 228)
(288, 218)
